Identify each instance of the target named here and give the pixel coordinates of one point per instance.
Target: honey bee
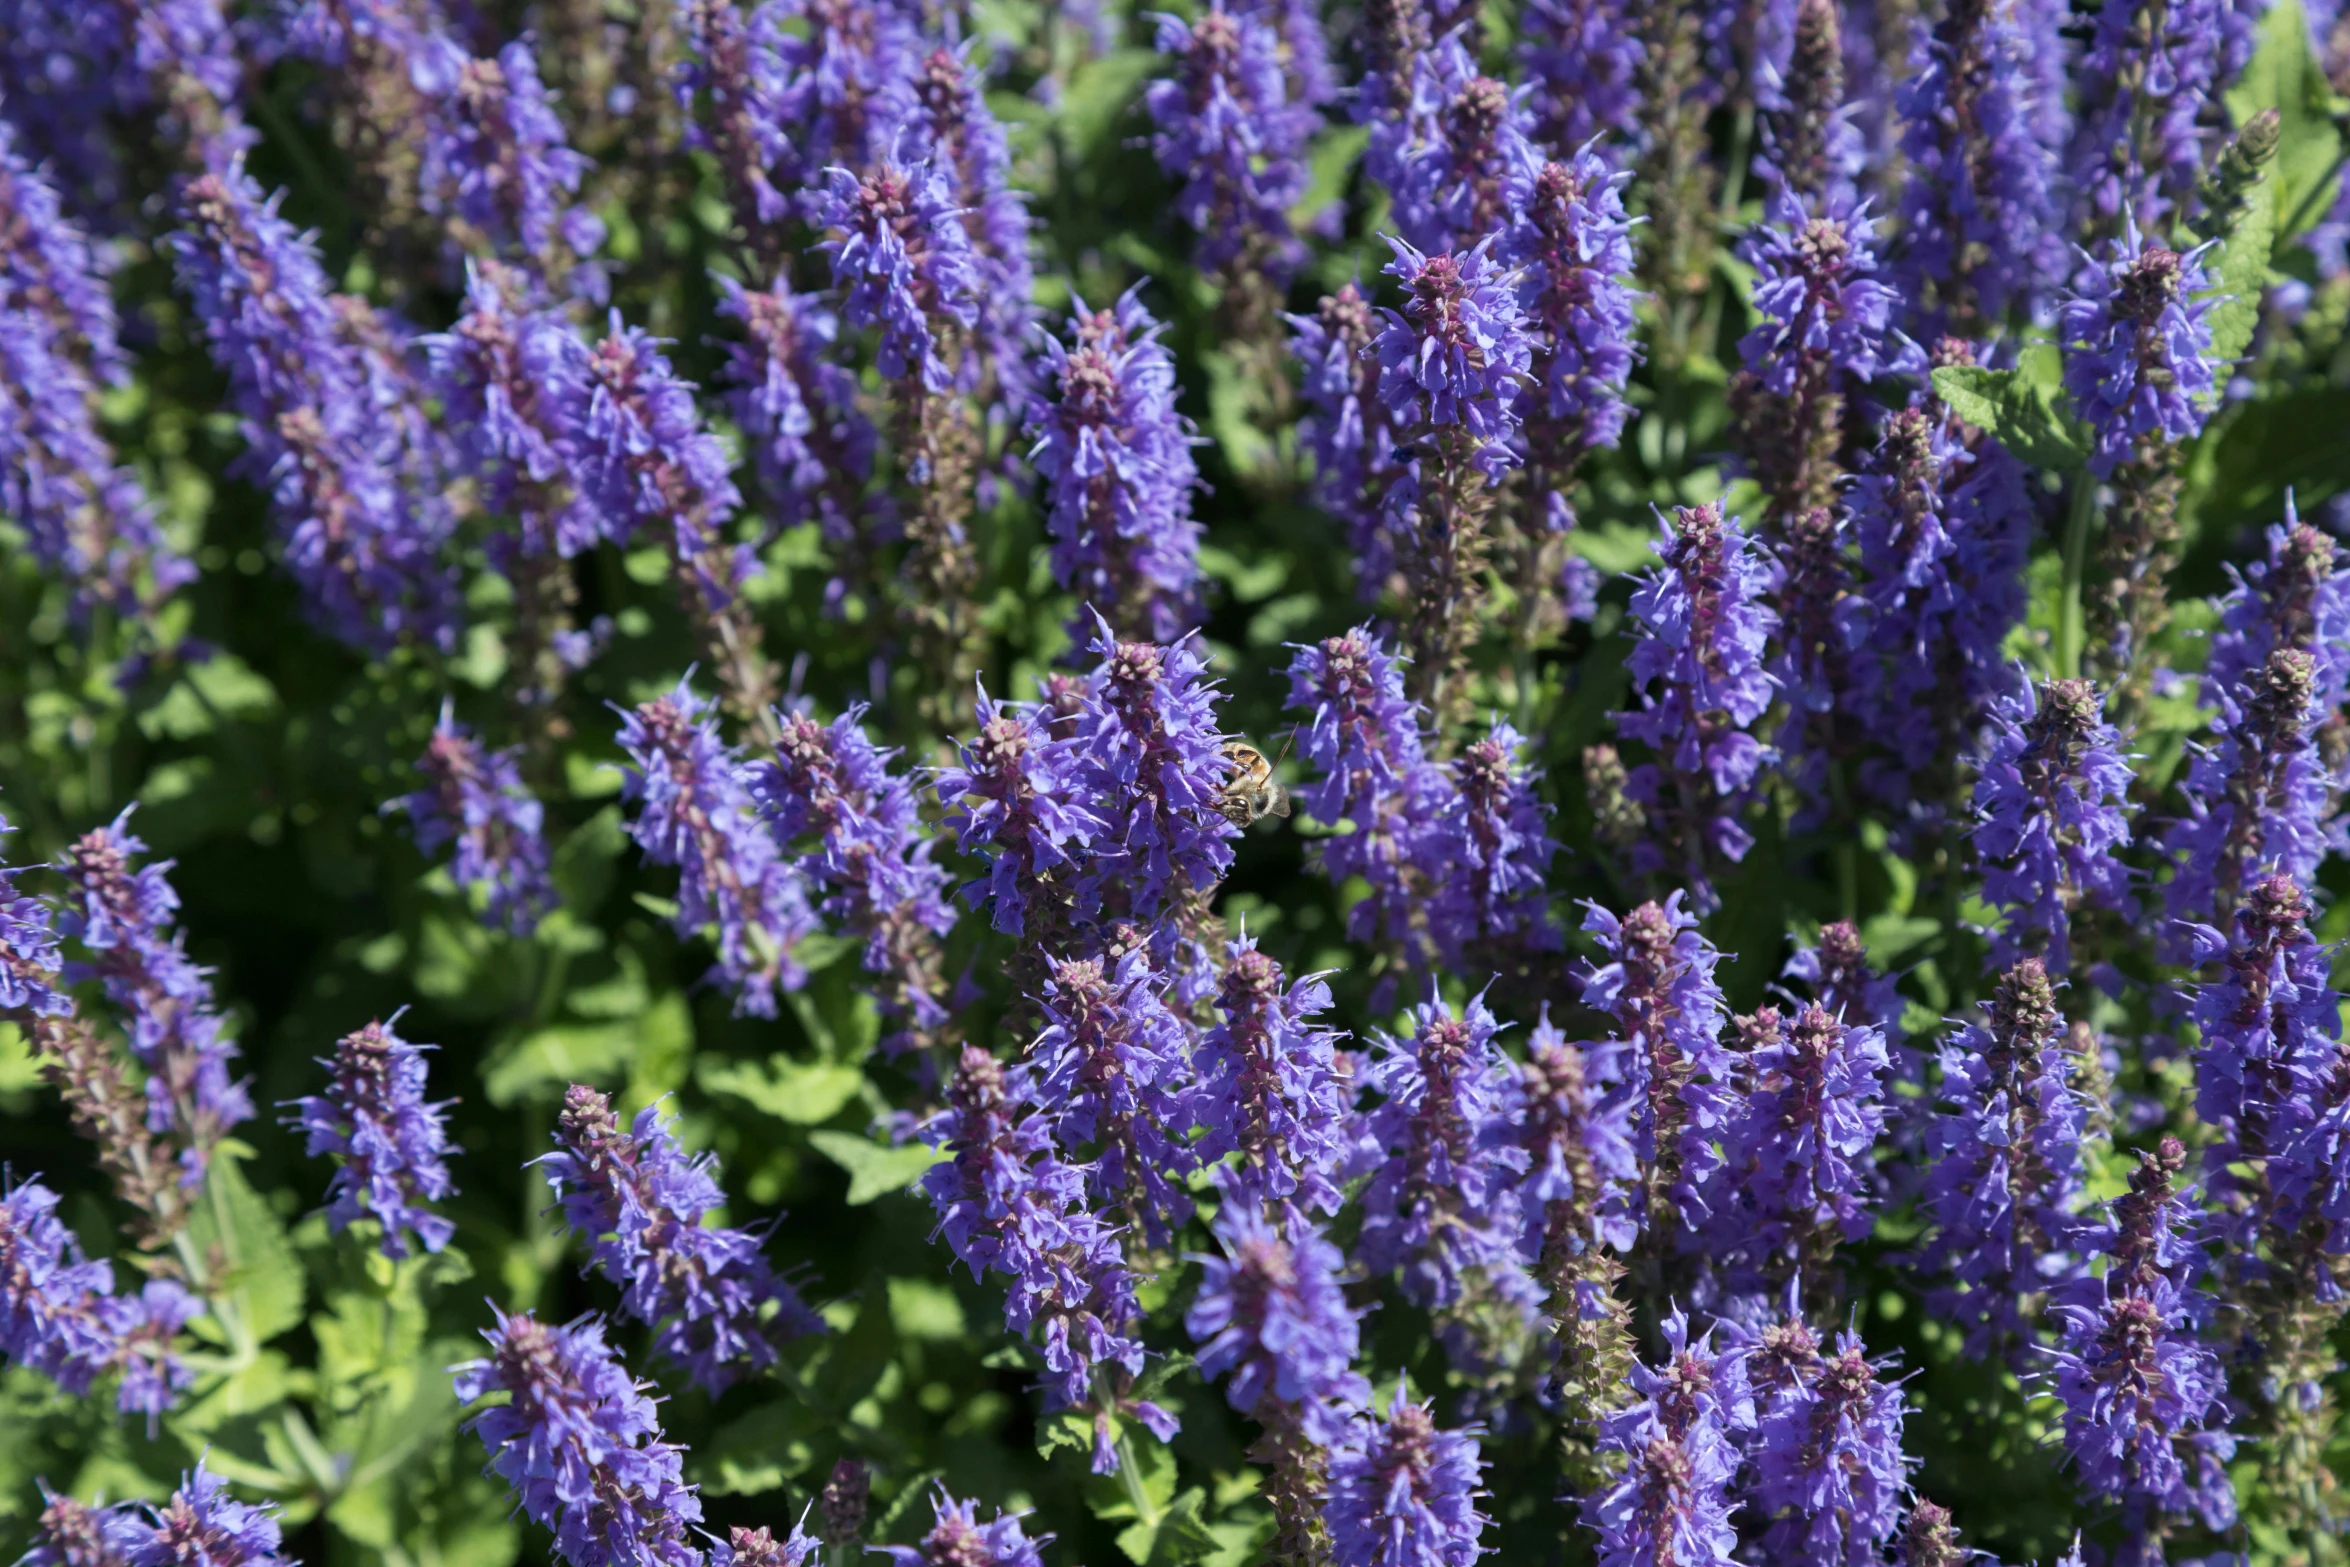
(1251, 792)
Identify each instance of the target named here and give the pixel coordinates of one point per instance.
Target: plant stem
(2069, 630)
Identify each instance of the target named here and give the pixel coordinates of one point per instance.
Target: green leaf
(586, 1052)
(2286, 76)
(223, 687)
(803, 1093)
(1178, 1537)
(1327, 166)
(259, 1275)
(875, 1170)
(1097, 95)
(921, 1309)
(2239, 272)
(2019, 409)
(760, 1451)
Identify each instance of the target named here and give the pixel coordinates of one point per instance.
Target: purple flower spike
(1698, 671)
(1014, 799)
(1575, 244)
(475, 798)
(958, 1539)
(1672, 1504)
(1404, 1492)
(496, 159)
(1581, 1169)
(2148, 86)
(1456, 356)
(74, 1534)
(2051, 802)
(1800, 1168)
(903, 263)
(1823, 308)
(1489, 850)
(1115, 1067)
(1346, 429)
(1473, 155)
(1827, 1454)
(1115, 457)
(1270, 1312)
(325, 428)
(1269, 1089)
(1227, 130)
(2296, 596)
(1979, 219)
(203, 1526)
(696, 812)
(1584, 57)
(1150, 763)
(2137, 342)
(1444, 1154)
(581, 1445)
(732, 84)
(639, 1201)
(831, 786)
(1007, 1203)
(390, 1137)
(59, 1314)
(760, 1548)
(2004, 1153)
(29, 960)
(1657, 985)
(121, 913)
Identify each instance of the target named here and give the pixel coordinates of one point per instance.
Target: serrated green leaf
(875, 1169)
(2018, 409)
(1179, 1536)
(259, 1276)
(541, 1063)
(805, 1093)
(2239, 271)
(2285, 75)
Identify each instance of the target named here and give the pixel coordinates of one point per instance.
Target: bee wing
(1279, 805)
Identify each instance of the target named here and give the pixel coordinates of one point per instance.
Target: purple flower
(759, 1548)
(374, 1114)
(1150, 764)
(59, 1314)
(2258, 799)
(2145, 1403)
(74, 1534)
(1268, 1088)
(121, 913)
(2148, 83)
(1006, 1202)
(696, 812)
(1226, 129)
(1115, 458)
(1657, 987)
(810, 443)
(1472, 155)
(28, 953)
(2265, 1073)
(1800, 1171)
(1979, 225)
(644, 459)
(1363, 746)
(845, 63)
(203, 1526)
(1583, 57)
(1488, 850)
(830, 785)
(1403, 1492)
(495, 159)
(1574, 243)
(1444, 1155)
(1671, 1505)
(1347, 431)
(475, 798)
(1698, 671)
(904, 265)
(2293, 597)
(1015, 796)
(1271, 1313)
(1838, 972)
(958, 1539)
(2004, 1170)
(639, 1201)
(2136, 346)
(326, 420)
(1113, 1063)
(1943, 528)
(2050, 801)
(1456, 356)
(580, 1443)
(1578, 1137)
(1829, 1470)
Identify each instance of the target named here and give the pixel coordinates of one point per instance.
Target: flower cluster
(2137, 349)
(60, 1316)
(390, 1138)
(497, 160)
(1672, 1502)
(2050, 806)
(1113, 1064)
(904, 265)
(1454, 358)
(639, 1201)
(1347, 428)
(1467, 167)
(1268, 1088)
(1228, 131)
(475, 798)
(1406, 1496)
